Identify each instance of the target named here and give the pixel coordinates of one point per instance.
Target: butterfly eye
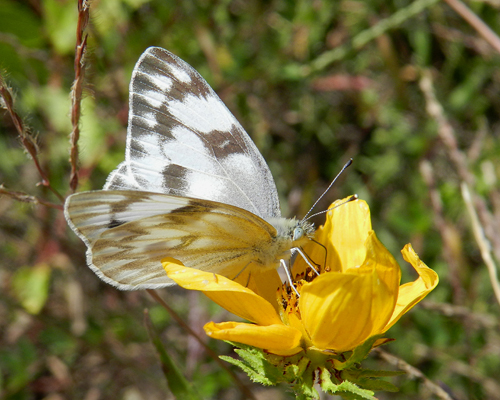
(298, 233)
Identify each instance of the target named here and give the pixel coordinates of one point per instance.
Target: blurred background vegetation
(408, 89)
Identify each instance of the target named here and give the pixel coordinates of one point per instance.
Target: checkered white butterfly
(193, 187)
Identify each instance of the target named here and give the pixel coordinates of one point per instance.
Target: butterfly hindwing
(183, 141)
(128, 232)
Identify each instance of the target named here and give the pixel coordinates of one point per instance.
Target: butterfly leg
(287, 272)
(248, 279)
(239, 273)
(306, 259)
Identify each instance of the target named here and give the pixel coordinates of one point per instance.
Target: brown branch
(483, 244)
(479, 321)
(452, 251)
(468, 369)
(76, 91)
(413, 373)
(477, 23)
(445, 130)
(26, 138)
(26, 198)
(485, 220)
(243, 388)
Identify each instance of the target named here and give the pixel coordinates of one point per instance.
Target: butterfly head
(303, 229)
(298, 231)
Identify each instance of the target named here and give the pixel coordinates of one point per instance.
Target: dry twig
(477, 23)
(76, 92)
(187, 328)
(27, 139)
(480, 321)
(482, 242)
(451, 247)
(413, 373)
(484, 220)
(26, 198)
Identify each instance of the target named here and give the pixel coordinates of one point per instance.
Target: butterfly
(193, 187)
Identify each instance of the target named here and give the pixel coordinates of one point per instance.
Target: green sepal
(357, 355)
(303, 385)
(270, 369)
(365, 378)
(348, 390)
(342, 378)
(377, 385)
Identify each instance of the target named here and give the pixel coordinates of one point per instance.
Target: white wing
(183, 141)
(128, 232)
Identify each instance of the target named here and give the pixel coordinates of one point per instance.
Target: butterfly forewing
(182, 140)
(129, 232)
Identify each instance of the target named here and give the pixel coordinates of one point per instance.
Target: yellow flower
(356, 296)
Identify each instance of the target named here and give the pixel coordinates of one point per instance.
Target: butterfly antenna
(352, 198)
(348, 163)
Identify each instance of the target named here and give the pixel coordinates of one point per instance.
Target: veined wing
(128, 232)
(183, 141)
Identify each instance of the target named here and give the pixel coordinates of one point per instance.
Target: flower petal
(388, 272)
(346, 229)
(264, 283)
(323, 255)
(411, 293)
(342, 310)
(337, 309)
(277, 339)
(228, 294)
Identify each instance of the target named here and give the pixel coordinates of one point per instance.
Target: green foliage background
(314, 83)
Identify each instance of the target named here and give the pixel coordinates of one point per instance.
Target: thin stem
(368, 35)
(482, 242)
(209, 351)
(76, 91)
(26, 198)
(27, 140)
(413, 373)
(484, 30)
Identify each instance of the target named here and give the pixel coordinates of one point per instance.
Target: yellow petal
(411, 293)
(278, 339)
(264, 283)
(347, 228)
(388, 270)
(341, 310)
(228, 294)
(325, 257)
(343, 237)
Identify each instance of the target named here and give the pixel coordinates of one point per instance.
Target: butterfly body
(193, 187)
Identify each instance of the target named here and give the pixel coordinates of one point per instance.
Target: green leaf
(17, 19)
(177, 383)
(31, 286)
(370, 373)
(61, 22)
(254, 376)
(377, 385)
(18, 365)
(366, 379)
